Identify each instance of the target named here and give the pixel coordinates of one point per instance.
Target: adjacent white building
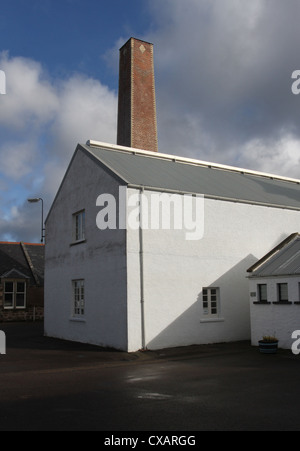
(116, 277)
(275, 293)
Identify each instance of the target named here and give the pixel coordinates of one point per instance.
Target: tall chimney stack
(137, 125)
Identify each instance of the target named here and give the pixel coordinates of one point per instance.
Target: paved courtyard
(48, 384)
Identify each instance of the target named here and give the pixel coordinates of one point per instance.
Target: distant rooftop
(283, 260)
(18, 259)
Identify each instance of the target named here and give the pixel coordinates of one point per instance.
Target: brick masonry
(137, 125)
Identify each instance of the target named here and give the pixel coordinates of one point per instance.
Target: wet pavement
(48, 384)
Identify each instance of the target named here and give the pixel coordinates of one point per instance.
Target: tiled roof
(26, 259)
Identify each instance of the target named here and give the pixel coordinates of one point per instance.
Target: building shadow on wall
(188, 328)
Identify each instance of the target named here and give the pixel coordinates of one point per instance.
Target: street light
(33, 201)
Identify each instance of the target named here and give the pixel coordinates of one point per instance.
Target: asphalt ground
(48, 384)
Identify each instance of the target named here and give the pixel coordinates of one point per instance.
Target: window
(78, 298)
(262, 293)
(14, 294)
(210, 301)
(283, 293)
(79, 226)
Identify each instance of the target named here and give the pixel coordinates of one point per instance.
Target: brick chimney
(137, 109)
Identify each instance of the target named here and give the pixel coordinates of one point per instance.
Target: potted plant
(268, 344)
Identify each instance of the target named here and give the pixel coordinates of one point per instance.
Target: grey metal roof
(176, 175)
(284, 260)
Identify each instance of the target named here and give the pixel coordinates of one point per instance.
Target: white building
(132, 287)
(275, 293)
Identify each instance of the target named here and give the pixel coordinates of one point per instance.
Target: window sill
(74, 243)
(77, 319)
(282, 303)
(212, 320)
(261, 302)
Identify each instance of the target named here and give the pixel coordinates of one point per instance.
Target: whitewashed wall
(176, 270)
(100, 261)
(275, 319)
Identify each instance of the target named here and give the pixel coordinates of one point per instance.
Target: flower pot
(268, 347)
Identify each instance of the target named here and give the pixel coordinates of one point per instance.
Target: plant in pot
(268, 344)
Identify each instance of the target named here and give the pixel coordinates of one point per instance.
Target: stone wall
(34, 310)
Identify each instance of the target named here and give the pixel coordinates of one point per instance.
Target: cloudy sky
(223, 87)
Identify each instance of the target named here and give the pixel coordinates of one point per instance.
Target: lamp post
(33, 201)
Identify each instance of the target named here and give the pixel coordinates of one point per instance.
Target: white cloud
(41, 121)
(281, 157)
(17, 159)
(86, 109)
(223, 81)
(30, 99)
(223, 85)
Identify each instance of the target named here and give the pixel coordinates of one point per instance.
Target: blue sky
(223, 87)
(70, 35)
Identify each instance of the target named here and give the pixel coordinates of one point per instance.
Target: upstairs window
(79, 226)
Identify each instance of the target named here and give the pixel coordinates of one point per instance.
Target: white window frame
(14, 294)
(78, 298)
(79, 226)
(211, 302)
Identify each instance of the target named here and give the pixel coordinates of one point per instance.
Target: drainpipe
(141, 239)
